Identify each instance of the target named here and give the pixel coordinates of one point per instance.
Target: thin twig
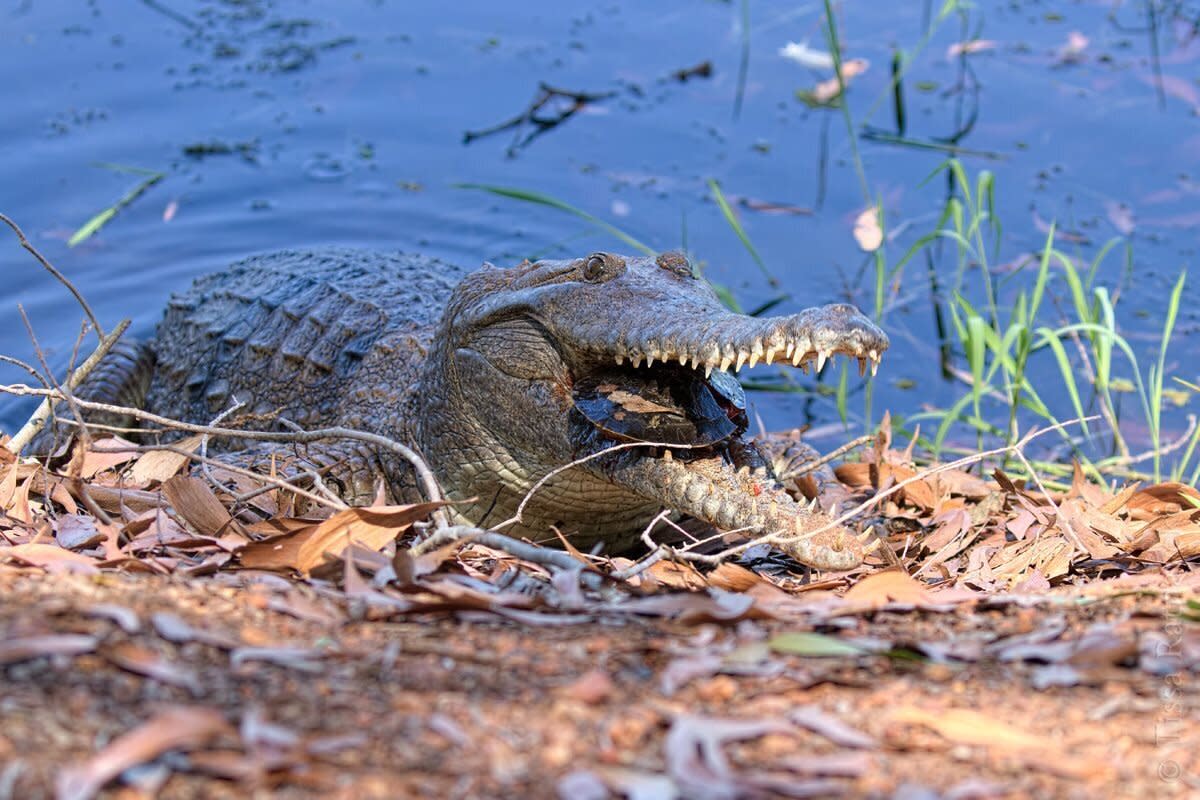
(16, 362)
(809, 466)
(87, 309)
(38, 419)
(66, 391)
(772, 538)
(276, 482)
(217, 420)
(516, 518)
(424, 474)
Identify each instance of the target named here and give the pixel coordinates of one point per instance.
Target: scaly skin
(475, 370)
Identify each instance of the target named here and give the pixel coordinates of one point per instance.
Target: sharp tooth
(725, 362)
(770, 356)
(649, 359)
(822, 357)
(756, 352)
(666, 456)
(683, 358)
(791, 347)
(874, 368)
(708, 370)
(741, 360)
(619, 359)
(862, 366)
(636, 360)
(797, 358)
(874, 354)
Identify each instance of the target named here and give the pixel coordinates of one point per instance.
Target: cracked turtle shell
(675, 407)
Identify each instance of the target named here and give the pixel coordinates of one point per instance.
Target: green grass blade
(538, 198)
(736, 224)
(98, 221)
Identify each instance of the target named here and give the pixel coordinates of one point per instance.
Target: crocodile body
(476, 371)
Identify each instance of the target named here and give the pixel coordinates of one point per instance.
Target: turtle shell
(672, 407)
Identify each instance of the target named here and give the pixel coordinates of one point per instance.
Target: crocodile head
(500, 406)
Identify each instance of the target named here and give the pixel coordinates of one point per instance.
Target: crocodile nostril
(675, 261)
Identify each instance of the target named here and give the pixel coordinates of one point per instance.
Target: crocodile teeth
(771, 351)
(791, 347)
(649, 359)
(874, 367)
(741, 360)
(636, 360)
(683, 359)
(725, 362)
(620, 359)
(822, 357)
(797, 357)
(708, 370)
(756, 352)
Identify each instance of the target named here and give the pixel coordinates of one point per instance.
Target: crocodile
(479, 372)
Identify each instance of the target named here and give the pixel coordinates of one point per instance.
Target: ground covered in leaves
(1001, 642)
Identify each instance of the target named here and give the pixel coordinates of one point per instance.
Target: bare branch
(38, 419)
(424, 474)
(87, 309)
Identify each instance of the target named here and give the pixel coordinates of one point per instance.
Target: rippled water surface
(310, 123)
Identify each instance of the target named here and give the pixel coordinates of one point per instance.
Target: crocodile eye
(602, 266)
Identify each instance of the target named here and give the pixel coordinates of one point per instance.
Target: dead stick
(87, 309)
(424, 474)
(38, 420)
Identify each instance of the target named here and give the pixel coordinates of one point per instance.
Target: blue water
(345, 124)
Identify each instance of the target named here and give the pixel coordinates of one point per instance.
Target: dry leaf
(177, 729)
(53, 644)
(303, 550)
(101, 456)
(157, 466)
(889, 586)
(195, 502)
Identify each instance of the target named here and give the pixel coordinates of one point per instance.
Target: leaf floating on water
(806, 56)
(828, 92)
(970, 46)
(867, 231)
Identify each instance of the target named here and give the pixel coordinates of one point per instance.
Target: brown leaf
(305, 549)
(157, 466)
(963, 726)
(76, 531)
(856, 474)
(181, 728)
(52, 644)
(592, 687)
(1162, 498)
(104, 455)
(144, 661)
(195, 502)
(693, 752)
(50, 557)
(888, 586)
(832, 728)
